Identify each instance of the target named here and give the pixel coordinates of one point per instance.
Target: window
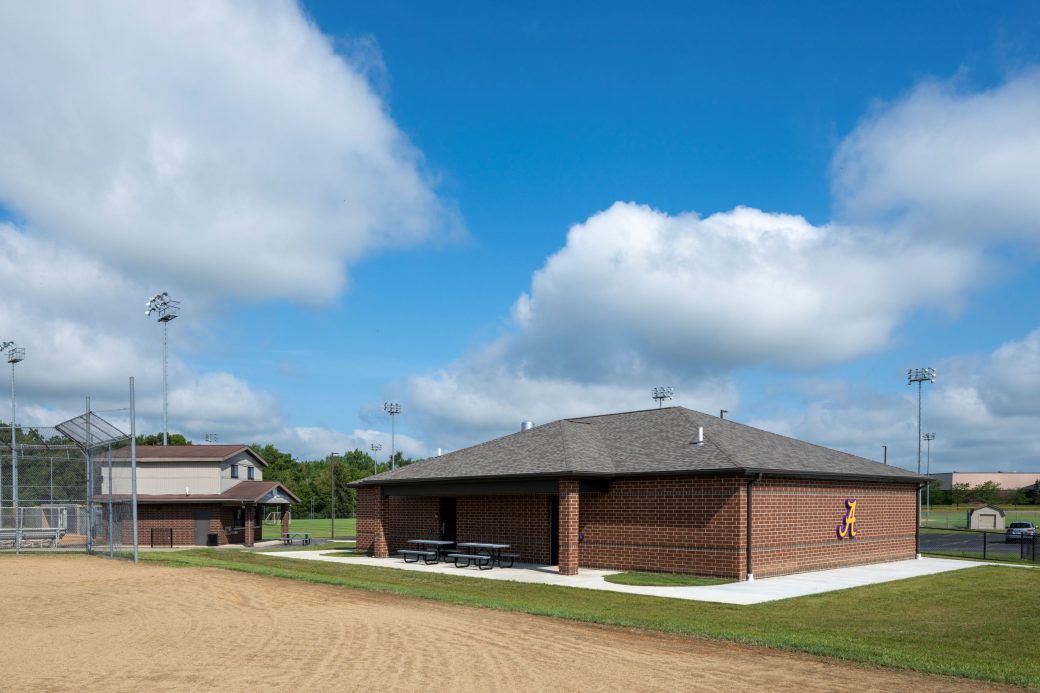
(234, 471)
(249, 473)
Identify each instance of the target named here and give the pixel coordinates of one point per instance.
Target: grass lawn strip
(960, 623)
(664, 580)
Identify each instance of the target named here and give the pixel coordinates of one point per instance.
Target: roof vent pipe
(700, 436)
(526, 426)
(438, 452)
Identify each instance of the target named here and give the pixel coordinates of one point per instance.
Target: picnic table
(429, 550)
(288, 537)
(490, 553)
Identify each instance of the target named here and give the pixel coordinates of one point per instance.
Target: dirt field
(83, 623)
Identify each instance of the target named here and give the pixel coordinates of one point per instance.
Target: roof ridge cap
(599, 439)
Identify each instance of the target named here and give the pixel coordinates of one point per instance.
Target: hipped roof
(188, 453)
(641, 443)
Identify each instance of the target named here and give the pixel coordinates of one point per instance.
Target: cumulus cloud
(635, 289)
(984, 409)
(948, 163)
(469, 402)
(215, 144)
(317, 443)
(636, 297)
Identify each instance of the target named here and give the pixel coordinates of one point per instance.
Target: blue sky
(498, 213)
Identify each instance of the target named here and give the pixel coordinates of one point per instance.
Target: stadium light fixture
(393, 409)
(919, 375)
(660, 394)
(376, 448)
(166, 309)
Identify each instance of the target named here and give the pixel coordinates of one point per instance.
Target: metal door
(201, 526)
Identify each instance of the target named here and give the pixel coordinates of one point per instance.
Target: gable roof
(188, 453)
(641, 443)
(266, 492)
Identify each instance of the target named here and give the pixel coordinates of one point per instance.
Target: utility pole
(393, 409)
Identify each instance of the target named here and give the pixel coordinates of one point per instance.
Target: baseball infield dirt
(75, 622)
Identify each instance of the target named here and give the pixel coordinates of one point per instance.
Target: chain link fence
(54, 495)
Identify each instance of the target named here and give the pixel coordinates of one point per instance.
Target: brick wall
(669, 524)
(520, 521)
(180, 517)
(665, 524)
(795, 525)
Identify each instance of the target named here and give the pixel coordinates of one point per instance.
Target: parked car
(1018, 531)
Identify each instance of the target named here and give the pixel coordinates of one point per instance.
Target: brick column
(373, 515)
(380, 549)
(569, 551)
(250, 514)
(285, 519)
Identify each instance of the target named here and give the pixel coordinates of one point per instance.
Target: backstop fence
(57, 494)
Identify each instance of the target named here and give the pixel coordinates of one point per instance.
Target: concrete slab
(755, 592)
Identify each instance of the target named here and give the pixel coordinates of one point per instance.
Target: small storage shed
(986, 517)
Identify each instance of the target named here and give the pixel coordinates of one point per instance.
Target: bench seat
(482, 561)
(428, 557)
(507, 556)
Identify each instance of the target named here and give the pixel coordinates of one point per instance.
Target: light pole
(393, 409)
(376, 448)
(332, 466)
(167, 309)
(919, 375)
(929, 437)
(14, 355)
(661, 394)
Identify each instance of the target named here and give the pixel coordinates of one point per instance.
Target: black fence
(990, 546)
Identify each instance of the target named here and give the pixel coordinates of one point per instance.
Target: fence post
(984, 546)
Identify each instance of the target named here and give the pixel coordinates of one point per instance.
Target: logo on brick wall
(847, 528)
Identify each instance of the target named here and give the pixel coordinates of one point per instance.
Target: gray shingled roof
(654, 441)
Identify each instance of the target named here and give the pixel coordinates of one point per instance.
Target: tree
(156, 439)
(986, 492)
(960, 493)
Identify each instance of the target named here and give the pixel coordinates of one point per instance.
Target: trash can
(211, 539)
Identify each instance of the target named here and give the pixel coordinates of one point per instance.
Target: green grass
(664, 580)
(991, 557)
(309, 547)
(954, 518)
(318, 529)
(963, 623)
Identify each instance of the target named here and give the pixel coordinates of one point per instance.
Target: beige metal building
(1009, 481)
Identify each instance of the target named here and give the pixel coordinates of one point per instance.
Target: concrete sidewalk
(756, 592)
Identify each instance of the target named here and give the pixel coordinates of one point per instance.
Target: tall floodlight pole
(15, 354)
(332, 469)
(376, 448)
(393, 409)
(661, 394)
(929, 437)
(167, 309)
(919, 375)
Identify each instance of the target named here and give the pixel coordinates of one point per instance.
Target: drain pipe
(750, 569)
(917, 524)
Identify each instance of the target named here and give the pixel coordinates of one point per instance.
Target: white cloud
(467, 403)
(636, 289)
(948, 163)
(637, 297)
(984, 410)
(317, 443)
(214, 144)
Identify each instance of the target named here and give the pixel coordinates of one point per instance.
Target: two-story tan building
(203, 494)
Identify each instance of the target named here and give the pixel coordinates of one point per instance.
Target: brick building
(670, 490)
(204, 494)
